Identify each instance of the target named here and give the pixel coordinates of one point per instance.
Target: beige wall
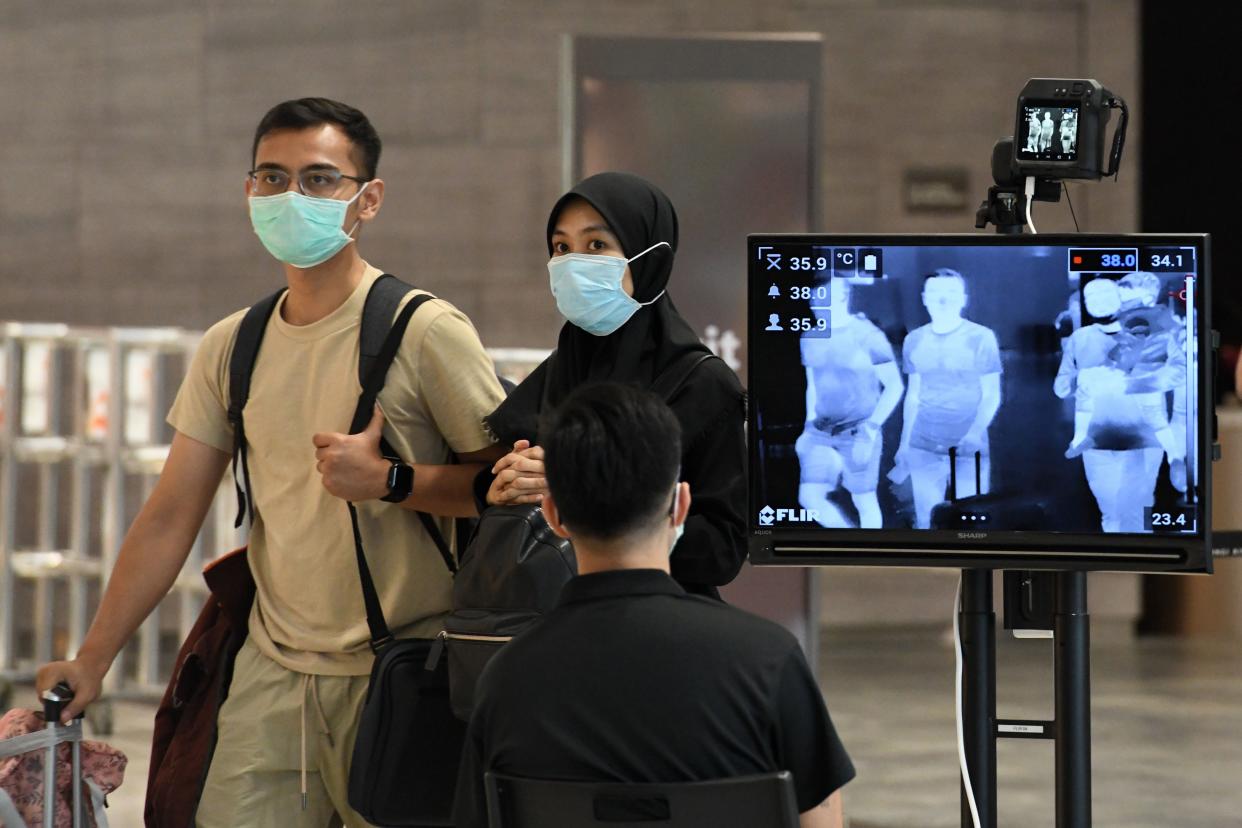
(125, 131)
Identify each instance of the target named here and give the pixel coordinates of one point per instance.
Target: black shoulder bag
(403, 771)
(404, 767)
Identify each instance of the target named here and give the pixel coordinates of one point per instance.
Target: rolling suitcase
(990, 510)
(28, 801)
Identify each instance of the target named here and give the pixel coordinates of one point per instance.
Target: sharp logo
(972, 535)
(768, 515)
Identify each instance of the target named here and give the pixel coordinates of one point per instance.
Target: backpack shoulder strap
(373, 366)
(378, 314)
(241, 367)
(672, 378)
(373, 379)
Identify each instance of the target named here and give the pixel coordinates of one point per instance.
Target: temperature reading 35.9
(804, 324)
(819, 263)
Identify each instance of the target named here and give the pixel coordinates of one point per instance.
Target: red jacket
(185, 723)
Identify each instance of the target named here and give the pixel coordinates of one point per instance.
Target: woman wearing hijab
(612, 240)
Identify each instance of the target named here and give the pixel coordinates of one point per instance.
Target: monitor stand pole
(1072, 726)
(1072, 640)
(977, 623)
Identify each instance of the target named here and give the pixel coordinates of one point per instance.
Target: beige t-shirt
(308, 612)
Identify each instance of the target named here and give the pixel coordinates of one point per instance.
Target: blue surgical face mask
(300, 230)
(588, 290)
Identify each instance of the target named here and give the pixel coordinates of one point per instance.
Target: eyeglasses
(317, 183)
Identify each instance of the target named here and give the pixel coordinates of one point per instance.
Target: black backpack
(378, 312)
(404, 765)
(511, 574)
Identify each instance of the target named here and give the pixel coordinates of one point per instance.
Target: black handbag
(512, 573)
(403, 771)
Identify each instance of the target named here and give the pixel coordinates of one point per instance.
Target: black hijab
(655, 337)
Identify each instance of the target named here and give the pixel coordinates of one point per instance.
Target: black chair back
(761, 801)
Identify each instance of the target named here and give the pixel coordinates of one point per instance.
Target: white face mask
(679, 529)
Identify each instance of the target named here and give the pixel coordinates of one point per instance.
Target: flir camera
(1060, 130)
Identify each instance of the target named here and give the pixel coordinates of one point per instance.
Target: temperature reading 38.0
(807, 293)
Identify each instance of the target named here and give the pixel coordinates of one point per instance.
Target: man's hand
(351, 465)
(864, 442)
(519, 476)
(83, 676)
(900, 471)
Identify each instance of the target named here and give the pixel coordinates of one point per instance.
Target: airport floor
(1166, 740)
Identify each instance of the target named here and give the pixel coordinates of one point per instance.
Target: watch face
(400, 482)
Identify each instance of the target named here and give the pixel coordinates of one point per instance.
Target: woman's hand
(519, 476)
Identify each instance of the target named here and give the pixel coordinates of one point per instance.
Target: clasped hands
(519, 476)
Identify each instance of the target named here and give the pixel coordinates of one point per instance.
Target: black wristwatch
(400, 480)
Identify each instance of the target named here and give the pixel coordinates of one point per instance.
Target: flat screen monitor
(1023, 401)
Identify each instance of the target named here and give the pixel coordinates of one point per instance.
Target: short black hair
(946, 273)
(304, 113)
(612, 453)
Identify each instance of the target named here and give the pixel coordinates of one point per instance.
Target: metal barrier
(82, 441)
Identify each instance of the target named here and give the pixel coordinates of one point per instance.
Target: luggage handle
(953, 473)
(55, 700)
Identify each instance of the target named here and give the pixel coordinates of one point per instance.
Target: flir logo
(768, 515)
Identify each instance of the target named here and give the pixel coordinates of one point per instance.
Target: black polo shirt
(630, 679)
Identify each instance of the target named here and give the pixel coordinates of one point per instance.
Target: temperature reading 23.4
(1179, 518)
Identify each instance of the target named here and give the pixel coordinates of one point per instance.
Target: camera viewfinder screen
(928, 383)
(1048, 133)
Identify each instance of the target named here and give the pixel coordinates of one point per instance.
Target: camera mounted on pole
(1058, 135)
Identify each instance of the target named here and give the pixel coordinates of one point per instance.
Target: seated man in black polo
(630, 679)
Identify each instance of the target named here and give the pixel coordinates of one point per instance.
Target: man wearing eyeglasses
(286, 730)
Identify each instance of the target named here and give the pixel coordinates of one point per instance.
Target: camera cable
(957, 650)
(1029, 189)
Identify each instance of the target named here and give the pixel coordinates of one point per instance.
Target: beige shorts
(257, 771)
